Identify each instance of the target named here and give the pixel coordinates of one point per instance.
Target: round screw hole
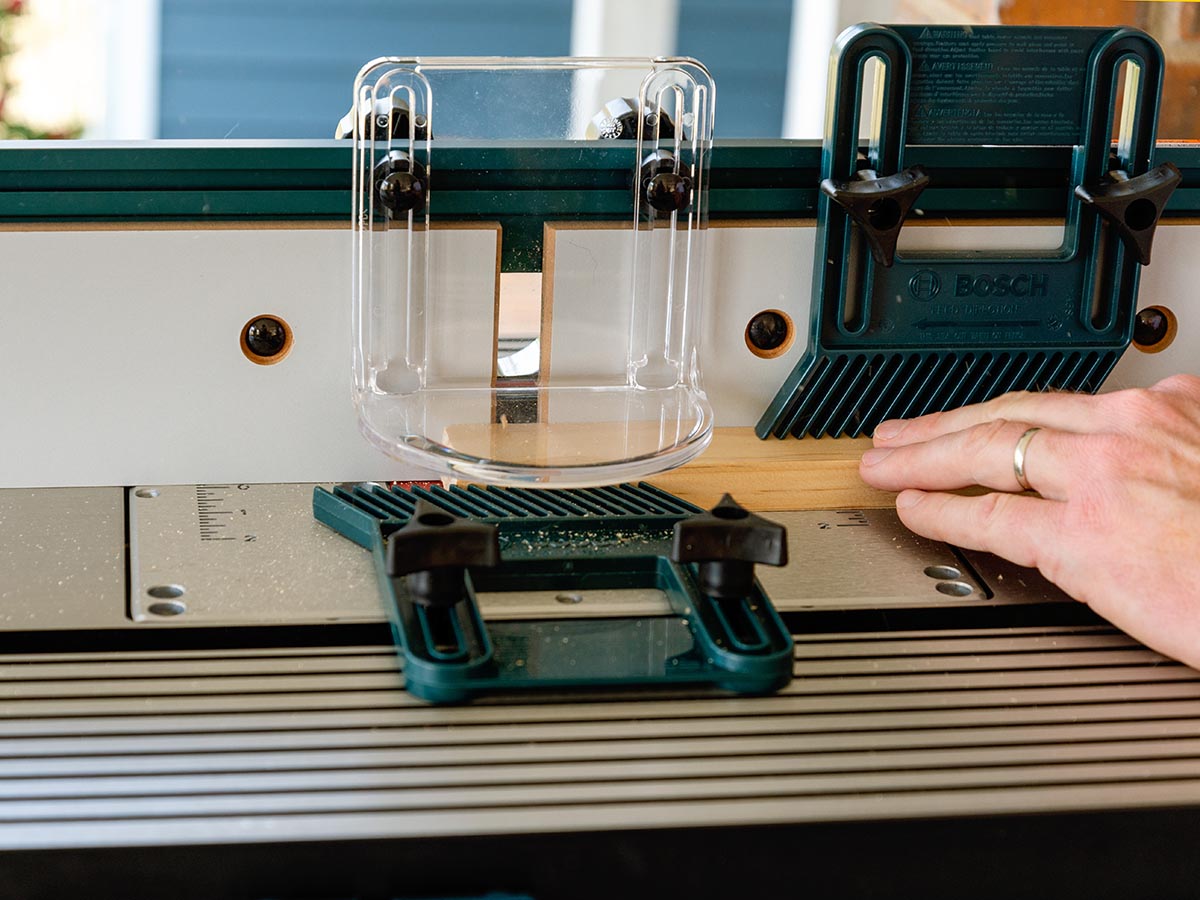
(1154, 329)
(955, 588)
(146, 493)
(167, 608)
(165, 591)
(884, 214)
(943, 573)
(436, 520)
(1140, 214)
(770, 333)
(266, 340)
(569, 598)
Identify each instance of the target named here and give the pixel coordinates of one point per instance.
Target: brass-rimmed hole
(1154, 329)
(770, 333)
(266, 340)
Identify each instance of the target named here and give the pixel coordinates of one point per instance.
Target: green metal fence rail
(518, 184)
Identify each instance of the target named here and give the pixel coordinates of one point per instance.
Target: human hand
(1117, 520)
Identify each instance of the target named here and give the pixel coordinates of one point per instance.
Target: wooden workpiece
(776, 474)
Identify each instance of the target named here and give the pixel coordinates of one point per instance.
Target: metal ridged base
(850, 393)
(318, 743)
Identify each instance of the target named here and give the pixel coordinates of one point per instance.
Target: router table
(186, 714)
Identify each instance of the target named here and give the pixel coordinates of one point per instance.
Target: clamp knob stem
(433, 551)
(726, 543)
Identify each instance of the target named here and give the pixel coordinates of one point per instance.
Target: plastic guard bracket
(903, 334)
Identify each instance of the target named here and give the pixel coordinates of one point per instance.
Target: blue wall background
(271, 69)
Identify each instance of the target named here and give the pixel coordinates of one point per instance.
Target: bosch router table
(599, 607)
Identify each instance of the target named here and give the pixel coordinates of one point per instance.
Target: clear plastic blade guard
(424, 394)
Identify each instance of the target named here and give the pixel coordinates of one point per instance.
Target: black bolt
(768, 330)
(402, 192)
(668, 192)
(1151, 327)
(266, 336)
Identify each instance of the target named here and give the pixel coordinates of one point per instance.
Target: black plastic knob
(434, 549)
(666, 182)
(726, 543)
(1132, 206)
(879, 204)
(668, 192)
(401, 191)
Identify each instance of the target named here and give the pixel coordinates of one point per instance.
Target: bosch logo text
(1000, 285)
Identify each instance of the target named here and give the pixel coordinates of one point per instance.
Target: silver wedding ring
(1019, 453)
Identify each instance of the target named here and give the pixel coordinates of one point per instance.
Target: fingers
(981, 454)
(1020, 528)
(1065, 411)
(1080, 413)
